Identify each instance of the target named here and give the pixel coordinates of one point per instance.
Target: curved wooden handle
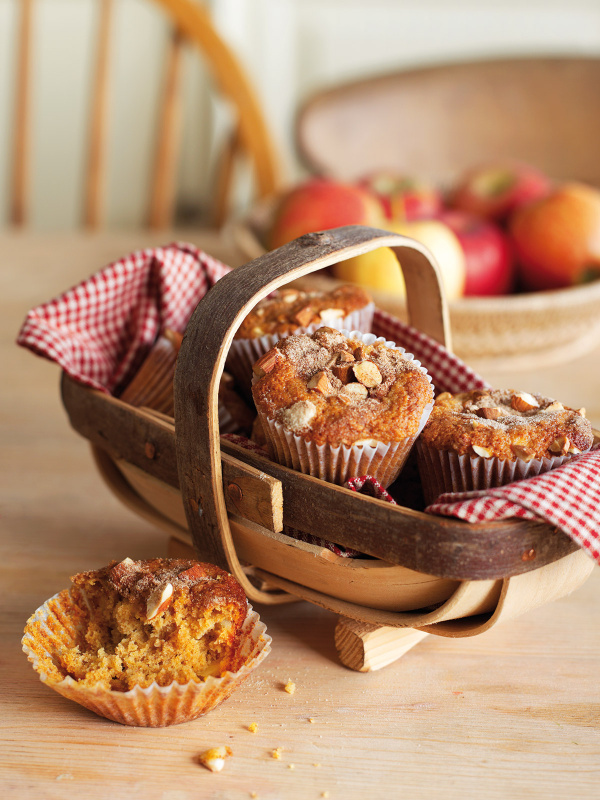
(207, 341)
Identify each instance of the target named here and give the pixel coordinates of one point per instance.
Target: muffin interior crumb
(119, 644)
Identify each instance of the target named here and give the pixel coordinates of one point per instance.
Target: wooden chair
(191, 26)
(436, 121)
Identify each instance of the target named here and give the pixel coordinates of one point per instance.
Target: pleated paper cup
(338, 463)
(56, 625)
(244, 353)
(445, 471)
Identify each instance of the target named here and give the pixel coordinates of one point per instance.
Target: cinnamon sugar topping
(510, 424)
(320, 388)
(291, 309)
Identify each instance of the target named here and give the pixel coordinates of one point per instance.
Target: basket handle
(206, 344)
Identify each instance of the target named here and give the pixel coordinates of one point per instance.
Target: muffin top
(156, 581)
(506, 424)
(337, 390)
(290, 309)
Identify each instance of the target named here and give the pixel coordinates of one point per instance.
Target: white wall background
(289, 47)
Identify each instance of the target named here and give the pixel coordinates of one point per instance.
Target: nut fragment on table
(214, 758)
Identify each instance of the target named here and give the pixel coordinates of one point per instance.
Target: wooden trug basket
(426, 574)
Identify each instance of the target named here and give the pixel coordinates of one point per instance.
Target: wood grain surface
(512, 713)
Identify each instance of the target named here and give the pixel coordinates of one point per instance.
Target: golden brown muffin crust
(205, 583)
(334, 389)
(291, 309)
(160, 620)
(506, 424)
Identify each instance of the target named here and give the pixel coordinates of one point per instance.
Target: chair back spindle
(249, 137)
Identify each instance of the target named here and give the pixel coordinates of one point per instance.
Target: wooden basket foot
(365, 648)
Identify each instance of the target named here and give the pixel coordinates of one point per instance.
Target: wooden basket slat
(192, 459)
(444, 547)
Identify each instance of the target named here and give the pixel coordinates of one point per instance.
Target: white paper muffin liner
(227, 424)
(54, 627)
(338, 463)
(244, 353)
(445, 471)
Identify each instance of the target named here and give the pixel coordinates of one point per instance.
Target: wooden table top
(511, 713)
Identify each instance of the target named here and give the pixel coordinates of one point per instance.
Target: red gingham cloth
(568, 497)
(100, 331)
(448, 373)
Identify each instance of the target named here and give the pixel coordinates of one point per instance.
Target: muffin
(152, 387)
(292, 311)
(486, 438)
(147, 642)
(152, 384)
(340, 404)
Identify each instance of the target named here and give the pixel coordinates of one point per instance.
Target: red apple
(489, 260)
(557, 238)
(320, 204)
(403, 197)
(495, 190)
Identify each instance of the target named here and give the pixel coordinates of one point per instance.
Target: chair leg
(365, 648)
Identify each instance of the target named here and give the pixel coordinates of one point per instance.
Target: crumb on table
(214, 758)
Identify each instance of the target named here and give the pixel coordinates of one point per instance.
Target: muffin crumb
(214, 758)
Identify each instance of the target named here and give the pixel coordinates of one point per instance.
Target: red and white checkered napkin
(568, 497)
(100, 331)
(448, 373)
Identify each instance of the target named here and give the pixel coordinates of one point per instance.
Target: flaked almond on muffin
(339, 404)
(293, 311)
(287, 310)
(485, 438)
